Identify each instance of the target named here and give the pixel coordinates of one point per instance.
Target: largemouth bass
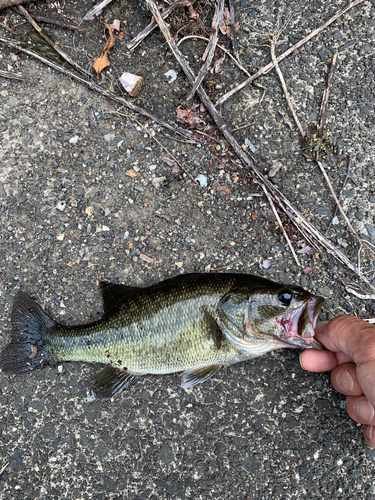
(192, 323)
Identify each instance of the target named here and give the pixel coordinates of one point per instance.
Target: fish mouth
(297, 326)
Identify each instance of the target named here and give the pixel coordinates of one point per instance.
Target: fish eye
(285, 297)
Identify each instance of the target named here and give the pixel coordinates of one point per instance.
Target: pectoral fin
(110, 382)
(217, 334)
(190, 378)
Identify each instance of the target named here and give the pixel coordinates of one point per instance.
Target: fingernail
(300, 361)
(345, 381)
(369, 429)
(364, 410)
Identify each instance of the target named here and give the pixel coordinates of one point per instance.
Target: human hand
(351, 355)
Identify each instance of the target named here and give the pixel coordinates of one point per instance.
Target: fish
(191, 323)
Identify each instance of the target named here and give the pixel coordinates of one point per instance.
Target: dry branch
(342, 189)
(233, 35)
(283, 84)
(281, 225)
(210, 50)
(165, 13)
(5, 27)
(47, 20)
(4, 4)
(96, 10)
(269, 66)
(296, 217)
(219, 47)
(14, 76)
(54, 45)
(323, 107)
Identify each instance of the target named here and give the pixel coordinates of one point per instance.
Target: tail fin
(27, 349)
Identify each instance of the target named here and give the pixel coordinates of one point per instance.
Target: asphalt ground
(86, 195)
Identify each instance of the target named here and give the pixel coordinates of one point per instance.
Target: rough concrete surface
(85, 195)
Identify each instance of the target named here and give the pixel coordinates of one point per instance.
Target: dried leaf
(189, 116)
(102, 61)
(307, 270)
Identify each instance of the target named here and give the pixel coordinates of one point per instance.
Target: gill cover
(257, 321)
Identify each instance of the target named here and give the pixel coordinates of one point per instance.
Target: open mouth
(297, 327)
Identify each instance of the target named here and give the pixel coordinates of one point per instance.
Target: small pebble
(202, 179)
(61, 206)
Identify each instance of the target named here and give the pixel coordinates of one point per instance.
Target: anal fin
(110, 382)
(195, 376)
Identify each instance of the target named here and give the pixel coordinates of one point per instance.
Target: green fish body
(192, 323)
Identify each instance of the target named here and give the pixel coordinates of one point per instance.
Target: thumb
(355, 338)
(349, 335)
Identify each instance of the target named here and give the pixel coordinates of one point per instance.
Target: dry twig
(296, 217)
(233, 35)
(5, 27)
(96, 10)
(47, 20)
(54, 45)
(139, 442)
(269, 66)
(281, 225)
(210, 50)
(219, 47)
(342, 189)
(165, 13)
(323, 107)
(283, 84)
(3, 468)
(4, 4)
(14, 76)
(362, 296)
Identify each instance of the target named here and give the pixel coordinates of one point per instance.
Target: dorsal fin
(115, 295)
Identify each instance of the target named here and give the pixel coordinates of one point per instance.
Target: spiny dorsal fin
(110, 382)
(217, 334)
(192, 377)
(114, 295)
